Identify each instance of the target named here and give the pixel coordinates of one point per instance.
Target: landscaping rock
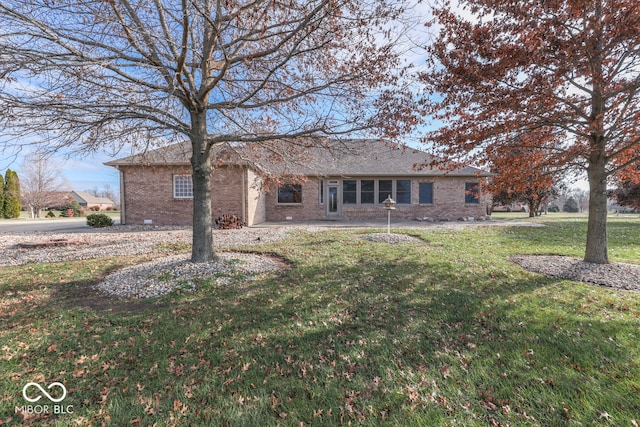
(120, 241)
(164, 275)
(393, 238)
(615, 275)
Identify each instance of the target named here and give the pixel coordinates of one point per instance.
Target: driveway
(62, 225)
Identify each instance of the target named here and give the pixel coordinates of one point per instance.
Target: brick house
(349, 181)
(88, 201)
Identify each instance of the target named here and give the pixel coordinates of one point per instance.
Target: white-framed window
(425, 190)
(403, 191)
(182, 187)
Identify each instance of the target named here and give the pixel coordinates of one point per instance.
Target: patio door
(333, 198)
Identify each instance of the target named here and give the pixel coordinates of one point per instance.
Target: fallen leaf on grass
(445, 371)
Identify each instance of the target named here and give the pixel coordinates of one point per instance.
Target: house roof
(311, 157)
(87, 198)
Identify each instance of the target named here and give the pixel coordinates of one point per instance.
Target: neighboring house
(513, 207)
(88, 201)
(342, 180)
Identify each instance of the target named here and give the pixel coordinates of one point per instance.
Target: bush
(50, 214)
(571, 205)
(99, 220)
(553, 208)
(94, 208)
(73, 209)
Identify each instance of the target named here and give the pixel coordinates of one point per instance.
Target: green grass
(438, 333)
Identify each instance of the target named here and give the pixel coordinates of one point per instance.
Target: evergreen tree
(571, 205)
(12, 204)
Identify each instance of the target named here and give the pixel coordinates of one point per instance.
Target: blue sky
(82, 173)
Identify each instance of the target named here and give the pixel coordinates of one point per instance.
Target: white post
(389, 221)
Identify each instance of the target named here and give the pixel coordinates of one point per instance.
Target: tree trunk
(596, 250)
(534, 204)
(202, 248)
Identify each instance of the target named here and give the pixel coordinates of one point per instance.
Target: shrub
(94, 208)
(73, 209)
(553, 208)
(12, 204)
(571, 205)
(99, 220)
(50, 214)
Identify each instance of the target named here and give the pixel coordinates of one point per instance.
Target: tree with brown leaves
(571, 66)
(523, 172)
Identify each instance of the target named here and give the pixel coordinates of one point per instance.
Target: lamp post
(389, 205)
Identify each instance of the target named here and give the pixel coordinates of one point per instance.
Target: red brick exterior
(448, 202)
(148, 196)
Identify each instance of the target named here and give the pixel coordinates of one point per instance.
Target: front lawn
(444, 331)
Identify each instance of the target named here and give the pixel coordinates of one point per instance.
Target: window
(385, 188)
(472, 193)
(321, 191)
(403, 191)
(182, 187)
(426, 193)
(290, 193)
(349, 192)
(367, 191)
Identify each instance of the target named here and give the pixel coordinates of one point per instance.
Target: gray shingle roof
(318, 157)
(85, 197)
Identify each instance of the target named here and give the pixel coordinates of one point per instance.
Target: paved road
(62, 225)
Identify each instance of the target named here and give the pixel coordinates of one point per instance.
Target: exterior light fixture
(389, 205)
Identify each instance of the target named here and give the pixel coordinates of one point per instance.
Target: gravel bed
(122, 241)
(614, 275)
(163, 275)
(393, 238)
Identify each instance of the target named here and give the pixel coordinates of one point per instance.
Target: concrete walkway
(345, 224)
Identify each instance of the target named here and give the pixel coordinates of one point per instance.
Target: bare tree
(40, 180)
(143, 72)
(110, 193)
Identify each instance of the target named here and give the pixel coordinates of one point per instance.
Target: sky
(81, 173)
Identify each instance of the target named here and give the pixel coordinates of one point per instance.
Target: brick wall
(448, 202)
(309, 209)
(149, 194)
(237, 191)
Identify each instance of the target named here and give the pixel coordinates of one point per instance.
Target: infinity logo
(64, 392)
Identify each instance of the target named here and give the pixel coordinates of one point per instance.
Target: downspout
(122, 198)
(244, 196)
